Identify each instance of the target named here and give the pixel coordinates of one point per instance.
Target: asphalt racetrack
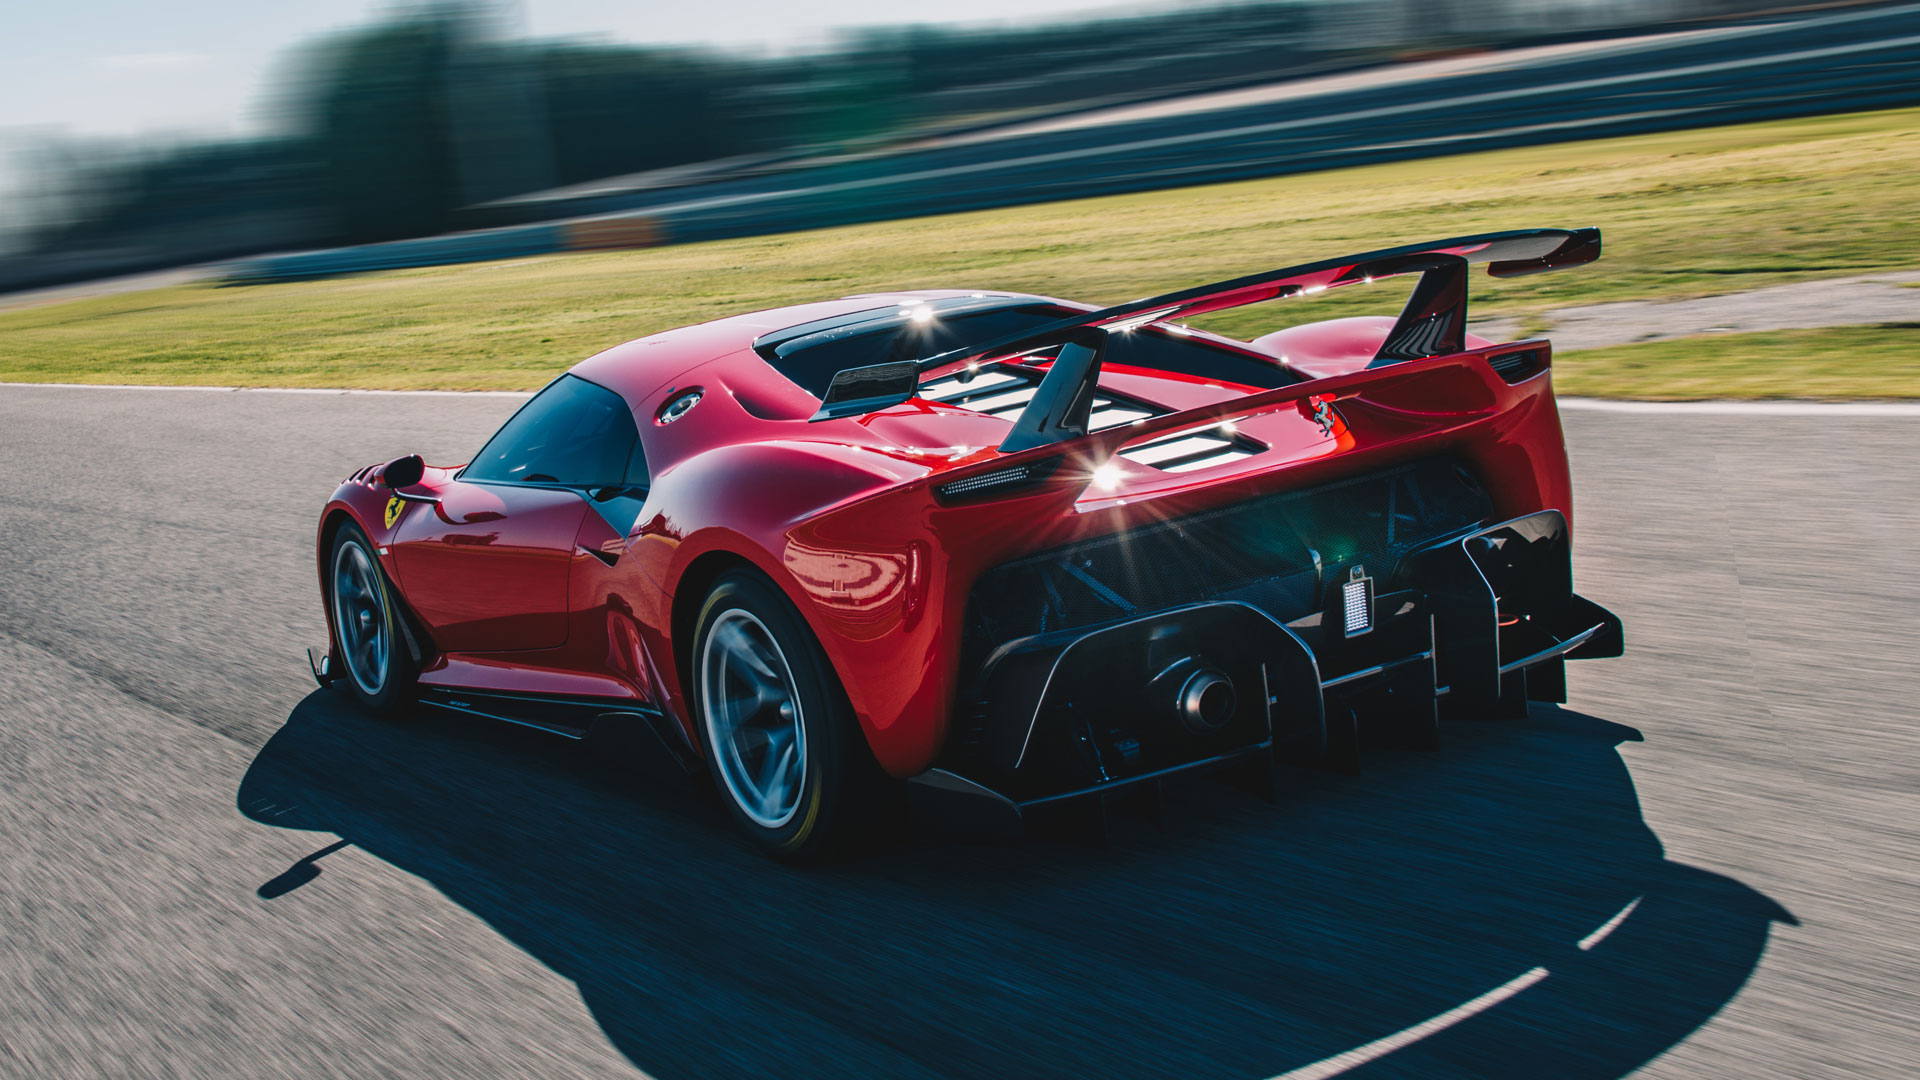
(1704, 865)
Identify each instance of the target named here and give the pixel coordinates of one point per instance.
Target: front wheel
(369, 643)
(780, 739)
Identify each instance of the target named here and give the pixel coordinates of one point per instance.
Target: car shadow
(1240, 938)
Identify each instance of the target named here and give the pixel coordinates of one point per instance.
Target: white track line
(1745, 408)
(1379, 1048)
(1609, 926)
(1578, 404)
(272, 390)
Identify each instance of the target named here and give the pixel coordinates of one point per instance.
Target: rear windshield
(1164, 351)
(813, 366)
(810, 354)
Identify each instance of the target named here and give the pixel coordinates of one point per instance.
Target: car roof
(636, 368)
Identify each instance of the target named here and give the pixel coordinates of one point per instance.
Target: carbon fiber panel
(1262, 552)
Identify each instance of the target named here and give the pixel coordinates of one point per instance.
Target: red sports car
(1009, 550)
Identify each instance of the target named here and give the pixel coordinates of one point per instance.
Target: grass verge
(1836, 363)
(1685, 213)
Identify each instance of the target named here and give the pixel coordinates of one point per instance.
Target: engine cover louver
(1004, 393)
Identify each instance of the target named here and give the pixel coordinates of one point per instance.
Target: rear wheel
(378, 668)
(781, 742)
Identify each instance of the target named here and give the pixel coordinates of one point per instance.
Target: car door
(486, 565)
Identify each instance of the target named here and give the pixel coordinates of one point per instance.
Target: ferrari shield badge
(394, 506)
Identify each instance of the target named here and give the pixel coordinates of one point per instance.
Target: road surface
(209, 869)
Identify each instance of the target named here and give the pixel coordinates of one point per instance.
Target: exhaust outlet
(1206, 701)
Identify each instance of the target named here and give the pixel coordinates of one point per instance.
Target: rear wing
(1433, 322)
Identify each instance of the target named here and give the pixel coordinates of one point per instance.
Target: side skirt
(569, 717)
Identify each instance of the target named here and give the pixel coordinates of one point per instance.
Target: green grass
(1685, 213)
(1835, 363)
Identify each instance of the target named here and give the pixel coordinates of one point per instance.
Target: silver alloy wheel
(752, 712)
(360, 617)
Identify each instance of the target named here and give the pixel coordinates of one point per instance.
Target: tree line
(398, 128)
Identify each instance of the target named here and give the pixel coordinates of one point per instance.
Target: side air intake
(1515, 366)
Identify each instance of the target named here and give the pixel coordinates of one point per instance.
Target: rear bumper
(1475, 625)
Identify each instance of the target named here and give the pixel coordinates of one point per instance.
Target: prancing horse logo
(394, 506)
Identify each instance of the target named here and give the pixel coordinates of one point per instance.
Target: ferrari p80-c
(997, 552)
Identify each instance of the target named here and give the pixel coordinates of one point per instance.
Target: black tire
(836, 765)
(385, 688)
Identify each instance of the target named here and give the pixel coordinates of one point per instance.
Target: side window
(637, 465)
(573, 432)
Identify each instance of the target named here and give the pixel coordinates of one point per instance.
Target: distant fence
(511, 242)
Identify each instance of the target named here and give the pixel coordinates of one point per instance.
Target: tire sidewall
(396, 693)
(826, 721)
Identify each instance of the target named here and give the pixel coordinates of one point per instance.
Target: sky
(119, 68)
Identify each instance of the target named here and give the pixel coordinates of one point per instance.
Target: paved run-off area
(508, 906)
(1865, 300)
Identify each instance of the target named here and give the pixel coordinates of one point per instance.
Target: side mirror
(403, 471)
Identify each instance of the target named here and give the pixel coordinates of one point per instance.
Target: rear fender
(761, 504)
